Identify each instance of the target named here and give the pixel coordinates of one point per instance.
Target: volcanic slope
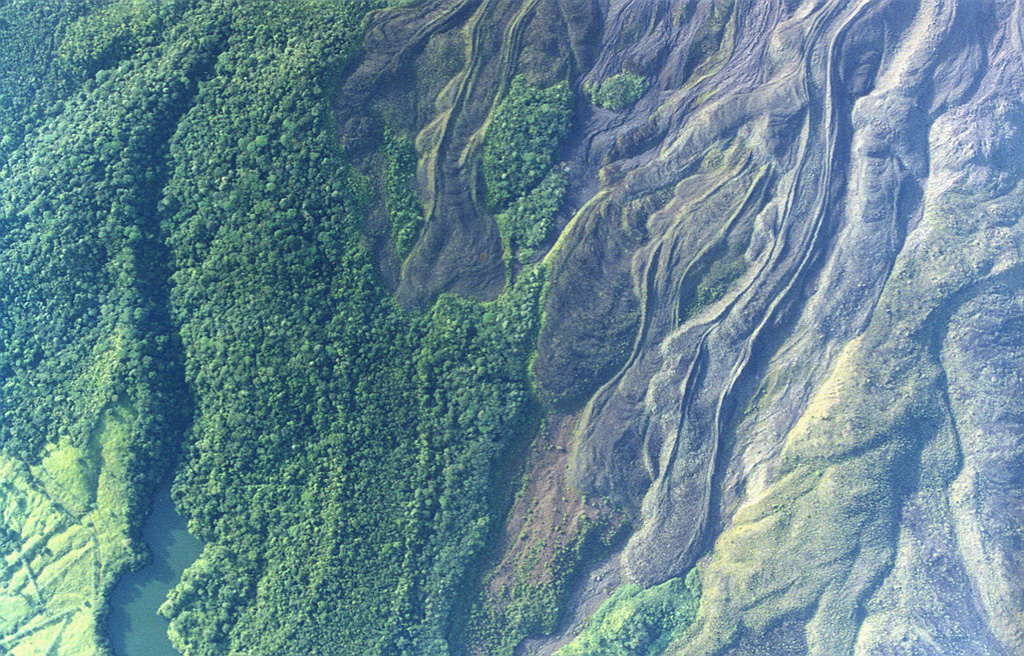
(783, 300)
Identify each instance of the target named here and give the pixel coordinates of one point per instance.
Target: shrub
(618, 92)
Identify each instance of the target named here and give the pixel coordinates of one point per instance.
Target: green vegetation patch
(343, 451)
(618, 92)
(638, 622)
(108, 35)
(65, 531)
(522, 139)
(400, 200)
(90, 383)
(81, 325)
(530, 220)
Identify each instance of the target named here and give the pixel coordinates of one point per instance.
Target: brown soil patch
(547, 516)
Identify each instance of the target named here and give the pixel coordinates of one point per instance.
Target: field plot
(64, 538)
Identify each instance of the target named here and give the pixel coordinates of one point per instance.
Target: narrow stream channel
(133, 625)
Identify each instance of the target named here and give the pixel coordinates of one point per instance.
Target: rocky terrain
(785, 309)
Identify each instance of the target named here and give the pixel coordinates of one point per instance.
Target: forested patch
(618, 92)
(83, 320)
(403, 207)
(522, 139)
(341, 456)
(93, 402)
(530, 220)
(342, 450)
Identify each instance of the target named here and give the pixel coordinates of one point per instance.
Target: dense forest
(182, 241)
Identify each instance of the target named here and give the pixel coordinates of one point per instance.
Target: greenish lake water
(133, 625)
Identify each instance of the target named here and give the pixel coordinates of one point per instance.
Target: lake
(133, 625)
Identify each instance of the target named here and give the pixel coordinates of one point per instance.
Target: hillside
(516, 327)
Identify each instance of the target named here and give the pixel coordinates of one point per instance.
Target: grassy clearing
(68, 520)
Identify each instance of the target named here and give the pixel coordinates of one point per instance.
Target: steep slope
(773, 313)
(517, 326)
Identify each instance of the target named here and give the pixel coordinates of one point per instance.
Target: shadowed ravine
(783, 268)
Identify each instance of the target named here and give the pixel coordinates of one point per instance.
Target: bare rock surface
(786, 299)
